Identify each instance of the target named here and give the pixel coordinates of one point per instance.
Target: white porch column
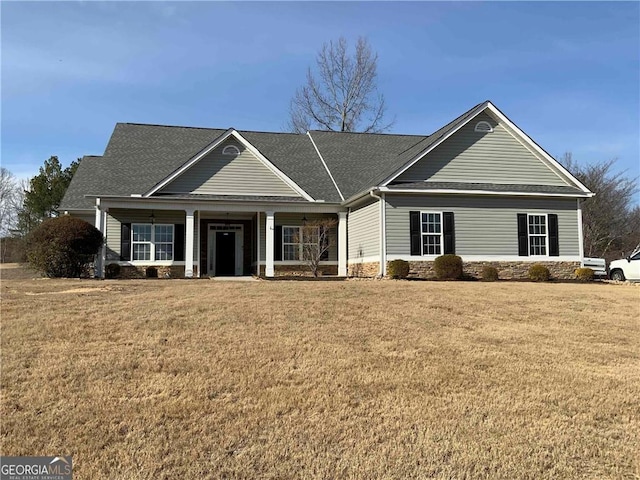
(197, 253)
(258, 244)
(188, 254)
(270, 226)
(100, 224)
(342, 244)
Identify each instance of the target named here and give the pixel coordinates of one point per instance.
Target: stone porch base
(139, 271)
(370, 269)
(300, 270)
(506, 270)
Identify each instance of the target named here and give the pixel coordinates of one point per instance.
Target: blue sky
(567, 73)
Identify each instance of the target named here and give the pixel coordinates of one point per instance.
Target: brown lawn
(359, 379)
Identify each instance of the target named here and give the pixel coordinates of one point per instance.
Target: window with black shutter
(277, 243)
(125, 242)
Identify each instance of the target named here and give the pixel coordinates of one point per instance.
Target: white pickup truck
(598, 265)
(626, 268)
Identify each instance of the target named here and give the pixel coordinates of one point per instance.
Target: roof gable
(222, 171)
(448, 130)
(496, 156)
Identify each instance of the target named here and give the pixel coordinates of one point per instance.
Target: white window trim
(152, 256)
(431, 255)
(300, 244)
(483, 127)
(546, 239)
(296, 227)
(231, 150)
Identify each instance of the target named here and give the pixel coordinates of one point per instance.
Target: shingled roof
(139, 156)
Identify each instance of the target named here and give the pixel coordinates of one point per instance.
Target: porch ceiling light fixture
(152, 218)
(304, 219)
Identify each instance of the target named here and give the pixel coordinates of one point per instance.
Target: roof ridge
(138, 124)
(371, 133)
(169, 126)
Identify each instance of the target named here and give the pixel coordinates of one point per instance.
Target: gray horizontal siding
(483, 225)
(295, 219)
(116, 217)
(220, 174)
(474, 157)
(364, 232)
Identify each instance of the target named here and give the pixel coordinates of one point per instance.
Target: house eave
(449, 191)
(358, 196)
(173, 203)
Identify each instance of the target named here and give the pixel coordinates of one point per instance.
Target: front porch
(212, 240)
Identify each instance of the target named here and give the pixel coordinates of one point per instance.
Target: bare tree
(342, 94)
(611, 222)
(318, 237)
(10, 201)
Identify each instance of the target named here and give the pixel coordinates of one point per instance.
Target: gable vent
(230, 150)
(483, 127)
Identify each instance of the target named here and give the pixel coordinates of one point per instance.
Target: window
(290, 243)
(431, 229)
(141, 242)
(230, 150)
(537, 225)
(483, 127)
(163, 242)
(293, 242)
(151, 242)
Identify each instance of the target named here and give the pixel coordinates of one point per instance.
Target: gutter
(382, 270)
(168, 199)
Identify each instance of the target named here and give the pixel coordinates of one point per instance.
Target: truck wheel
(617, 275)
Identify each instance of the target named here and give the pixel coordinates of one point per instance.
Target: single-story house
(209, 202)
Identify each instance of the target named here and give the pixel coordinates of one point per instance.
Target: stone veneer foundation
(370, 269)
(506, 270)
(139, 271)
(300, 270)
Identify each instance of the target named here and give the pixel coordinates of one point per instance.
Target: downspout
(382, 270)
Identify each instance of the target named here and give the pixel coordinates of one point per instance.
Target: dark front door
(225, 253)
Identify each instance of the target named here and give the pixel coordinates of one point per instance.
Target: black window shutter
(523, 236)
(325, 243)
(125, 242)
(554, 244)
(277, 244)
(449, 233)
(178, 242)
(414, 233)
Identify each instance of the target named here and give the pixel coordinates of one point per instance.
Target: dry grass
(359, 379)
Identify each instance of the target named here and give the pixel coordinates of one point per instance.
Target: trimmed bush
(539, 273)
(448, 267)
(489, 273)
(112, 270)
(584, 274)
(63, 247)
(398, 269)
(151, 272)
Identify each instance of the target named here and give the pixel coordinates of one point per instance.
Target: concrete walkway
(235, 279)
